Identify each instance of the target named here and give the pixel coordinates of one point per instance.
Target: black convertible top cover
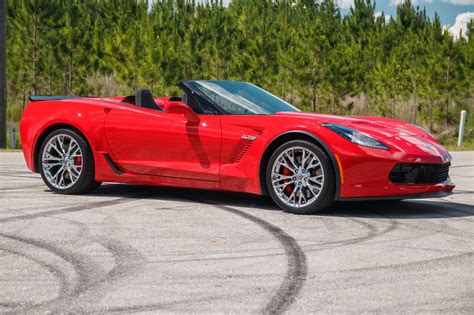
(39, 98)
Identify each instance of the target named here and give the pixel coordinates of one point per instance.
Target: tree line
(305, 51)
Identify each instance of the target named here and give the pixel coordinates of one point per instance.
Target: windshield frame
(215, 109)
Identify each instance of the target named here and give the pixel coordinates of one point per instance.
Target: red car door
(152, 142)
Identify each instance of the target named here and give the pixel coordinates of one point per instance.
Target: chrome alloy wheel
(62, 161)
(297, 177)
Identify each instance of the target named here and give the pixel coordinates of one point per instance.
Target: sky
(454, 14)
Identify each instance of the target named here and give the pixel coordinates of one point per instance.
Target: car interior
(144, 98)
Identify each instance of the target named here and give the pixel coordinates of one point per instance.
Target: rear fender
(40, 118)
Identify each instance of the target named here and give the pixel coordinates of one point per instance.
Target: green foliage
(305, 51)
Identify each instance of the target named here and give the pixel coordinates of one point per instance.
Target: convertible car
(233, 136)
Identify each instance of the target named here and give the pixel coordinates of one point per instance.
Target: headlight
(356, 136)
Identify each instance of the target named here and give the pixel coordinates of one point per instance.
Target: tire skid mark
(372, 232)
(18, 171)
(20, 188)
(64, 285)
(413, 263)
(459, 166)
(90, 206)
(440, 227)
(296, 273)
(406, 238)
(456, 191)
(442, 212)
(276, 250)
(456, 209)
(166, 305)
(85, 271)
(462, 208)
(18, 176)
(296, 258)
(127, 262)
(92, 280)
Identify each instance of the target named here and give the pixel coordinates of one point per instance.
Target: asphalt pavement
(127, 248)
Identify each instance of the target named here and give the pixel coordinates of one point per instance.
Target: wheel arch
(296, 135)
(39, 141)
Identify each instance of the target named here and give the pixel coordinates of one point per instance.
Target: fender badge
(249, 137)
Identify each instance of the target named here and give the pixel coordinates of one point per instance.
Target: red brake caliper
(78, 161)
(288, 188)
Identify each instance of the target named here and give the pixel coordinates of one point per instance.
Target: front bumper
(366, 171)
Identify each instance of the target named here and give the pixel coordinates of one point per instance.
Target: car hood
(378, 127)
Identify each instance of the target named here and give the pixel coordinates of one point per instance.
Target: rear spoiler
(40, 98)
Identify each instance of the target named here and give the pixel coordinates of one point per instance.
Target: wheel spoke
(302, 197)
(60, 142)
(72, 146)
(313, 164)
(291, 160)
(313, 188)
(285, 164)
(72, 177)
(50, 157)
(76, 153)
(277, 177)
(284, 185)
(315, 178)
(76, 169)
(56, 175)
(293, 195)
(56, 148)
(53, 164)
(306, 156)
(61, 178)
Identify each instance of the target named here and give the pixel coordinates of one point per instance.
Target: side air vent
(244, 145)
(112, 164)
(243, 152)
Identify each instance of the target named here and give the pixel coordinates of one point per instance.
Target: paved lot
(140, 249)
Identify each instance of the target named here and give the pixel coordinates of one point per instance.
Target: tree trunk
(315, 99)
(333, 100)
(431, 116)
(393, 107)
(216, 65)
(415, 99)
(446, 94)
(34, 55)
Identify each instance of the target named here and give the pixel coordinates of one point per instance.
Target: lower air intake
(419, 173)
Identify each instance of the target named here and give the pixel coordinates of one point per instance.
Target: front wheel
(66, 163)
(300, 177)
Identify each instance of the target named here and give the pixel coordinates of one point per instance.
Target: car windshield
(240, 98)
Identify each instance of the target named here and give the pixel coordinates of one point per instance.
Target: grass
(17, 144)
(452, 144)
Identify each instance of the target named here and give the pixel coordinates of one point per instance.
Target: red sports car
(233, 136)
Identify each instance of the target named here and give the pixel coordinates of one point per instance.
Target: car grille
(419, 173)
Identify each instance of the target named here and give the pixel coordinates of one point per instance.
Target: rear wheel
(300, 178)
(66, 163)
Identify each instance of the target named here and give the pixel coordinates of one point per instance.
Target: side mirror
(181, 108)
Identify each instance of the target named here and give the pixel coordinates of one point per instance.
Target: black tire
(86, 181)
(327, 193)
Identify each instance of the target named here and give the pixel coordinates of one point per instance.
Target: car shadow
(408, 209)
